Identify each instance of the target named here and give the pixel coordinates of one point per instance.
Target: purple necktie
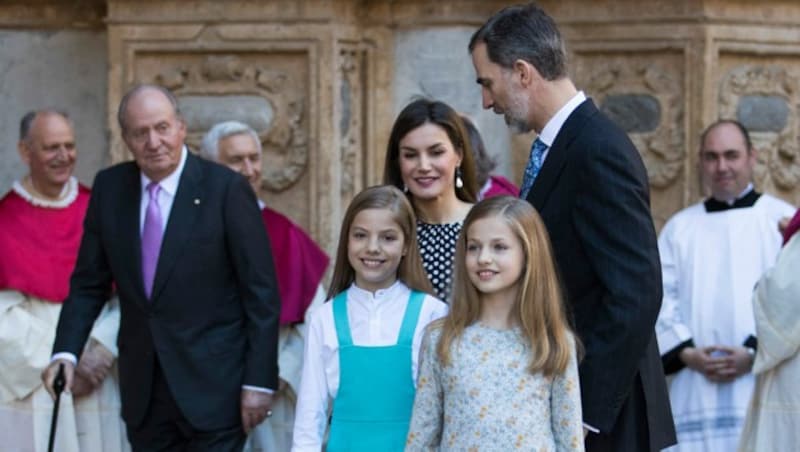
(151, 238)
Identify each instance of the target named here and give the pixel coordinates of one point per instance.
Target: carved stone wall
(321, 81)
(643, 92)
(298, 72)
(53, 55)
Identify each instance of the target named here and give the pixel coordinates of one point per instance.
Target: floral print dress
(486, 400)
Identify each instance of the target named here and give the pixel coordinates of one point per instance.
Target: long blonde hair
(538, 309)
(390, 198)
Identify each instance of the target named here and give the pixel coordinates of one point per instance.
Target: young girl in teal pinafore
(362, 347)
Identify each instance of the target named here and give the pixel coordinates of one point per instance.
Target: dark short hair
(123, 104)
(26, 122)
(484, 163)
(523, 32)
(416, 114)
(738, 125)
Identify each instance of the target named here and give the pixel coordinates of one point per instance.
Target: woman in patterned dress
(430, 159)
(500, 371)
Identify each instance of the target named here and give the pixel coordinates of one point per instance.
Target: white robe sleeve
(777, 311)
(26, 342)
(106, 326)
(671, 327)
(290, 356)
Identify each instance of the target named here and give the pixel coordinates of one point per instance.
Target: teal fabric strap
(409, 325)
(340, 319)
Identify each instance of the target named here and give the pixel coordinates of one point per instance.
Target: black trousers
(166, 429)
(630, 433)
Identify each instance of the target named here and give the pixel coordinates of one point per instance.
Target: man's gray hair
(210, 147)
(523, 32)
(26, 122)
(123, 104)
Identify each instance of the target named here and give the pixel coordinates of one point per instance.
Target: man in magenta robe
(41, 223)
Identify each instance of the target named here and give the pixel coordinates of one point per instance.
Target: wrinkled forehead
(149, 106)
(239, 143)
(48, 127)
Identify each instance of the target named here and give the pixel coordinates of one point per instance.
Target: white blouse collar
(388, 293)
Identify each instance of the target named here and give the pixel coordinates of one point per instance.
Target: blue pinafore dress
(372, 409)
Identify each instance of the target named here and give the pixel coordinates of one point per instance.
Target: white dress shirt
(553, 126)
(169, 186)
(375, 320)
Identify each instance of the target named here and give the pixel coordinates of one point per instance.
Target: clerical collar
(68, 194)
(748, 200)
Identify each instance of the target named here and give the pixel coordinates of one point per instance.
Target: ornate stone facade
(322, 80)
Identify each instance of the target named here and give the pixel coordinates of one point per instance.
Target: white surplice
(275, 433)
(91, 423)
(773, 419)
(27, 331)
(711, 263)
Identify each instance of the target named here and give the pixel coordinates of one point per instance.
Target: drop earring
(459, 182)
(405, 188)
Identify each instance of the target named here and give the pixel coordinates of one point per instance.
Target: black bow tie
(713, 205)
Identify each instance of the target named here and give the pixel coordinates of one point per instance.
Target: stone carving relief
(763, 99)
(646, 100)
(212, 88)
(350, 118)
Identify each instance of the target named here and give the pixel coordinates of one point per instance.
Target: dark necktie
(533, 167)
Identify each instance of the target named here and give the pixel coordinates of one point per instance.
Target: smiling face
(726, 162)
(49, 151)
(154, 133)
(375, 246)
(495, 257)
(428, 162)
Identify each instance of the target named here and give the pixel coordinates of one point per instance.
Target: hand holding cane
(58, 387)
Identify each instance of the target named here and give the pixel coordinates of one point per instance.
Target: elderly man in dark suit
(592, 193)
(182, 241)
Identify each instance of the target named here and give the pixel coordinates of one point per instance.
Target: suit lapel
(129, 220)
(179, 225)
(558, 154)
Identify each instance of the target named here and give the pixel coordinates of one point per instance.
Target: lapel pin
(197, 201)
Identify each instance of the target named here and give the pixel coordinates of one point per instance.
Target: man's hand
(737, 362)
(50, 372)
(95, 363)
(255, 408)
(81, 387)
(704, 360)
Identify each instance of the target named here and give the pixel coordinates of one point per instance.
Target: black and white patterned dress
(437, 245)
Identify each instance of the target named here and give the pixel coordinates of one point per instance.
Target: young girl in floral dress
(500, 372)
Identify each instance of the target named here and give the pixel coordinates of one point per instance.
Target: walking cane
(58, 386)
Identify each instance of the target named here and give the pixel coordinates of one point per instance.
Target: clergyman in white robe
(711, 259)
(27, 329)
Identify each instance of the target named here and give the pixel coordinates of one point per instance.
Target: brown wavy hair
(539, 307)
(419, 113)
(390, 198)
